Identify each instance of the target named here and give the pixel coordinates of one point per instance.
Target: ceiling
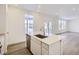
(65, 11)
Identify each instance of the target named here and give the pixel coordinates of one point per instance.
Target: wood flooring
(18, 49)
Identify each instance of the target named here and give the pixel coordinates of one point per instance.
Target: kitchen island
(46, 46)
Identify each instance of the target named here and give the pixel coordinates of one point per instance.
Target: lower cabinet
(3, 42)
(2, 49)
(52, 49)
(45, 51)
(55, 48)
(35, 46)
(41, 48)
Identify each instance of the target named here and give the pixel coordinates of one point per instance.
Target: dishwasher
(0, 48)
(28, 40)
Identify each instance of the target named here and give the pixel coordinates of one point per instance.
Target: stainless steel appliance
(0, 47)
(28, 39)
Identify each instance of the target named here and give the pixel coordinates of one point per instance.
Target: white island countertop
(49, 40)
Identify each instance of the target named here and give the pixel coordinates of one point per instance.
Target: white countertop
(52, 39)
(49, 40)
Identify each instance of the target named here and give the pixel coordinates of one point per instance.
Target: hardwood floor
(18, 49)
(70, 43)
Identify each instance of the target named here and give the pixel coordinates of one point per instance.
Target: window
(29, 24)
(48, 28)
(62, 24)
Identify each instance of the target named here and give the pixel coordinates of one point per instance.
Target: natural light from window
(29, 24)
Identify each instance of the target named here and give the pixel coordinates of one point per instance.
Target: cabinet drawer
(45, 46)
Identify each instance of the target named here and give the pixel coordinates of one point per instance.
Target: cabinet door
(35, 46)
(2, 43)
(45, 49)
(55, 49)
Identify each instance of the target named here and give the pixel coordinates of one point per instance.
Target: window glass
(29, 24)
(48, 28)
(62, 24)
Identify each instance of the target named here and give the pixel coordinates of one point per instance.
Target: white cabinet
(35, 46)
(52, 49)
(45, 49)
(55, 48)
(2, 43)
(41, 48)
(3, 40)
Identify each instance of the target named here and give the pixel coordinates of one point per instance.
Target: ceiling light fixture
(38, 8)
(74, 9)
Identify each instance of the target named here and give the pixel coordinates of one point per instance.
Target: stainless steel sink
(41, 36)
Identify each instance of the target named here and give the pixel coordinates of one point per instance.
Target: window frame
(28, 24)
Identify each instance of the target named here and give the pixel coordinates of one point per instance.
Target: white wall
(3, 37)
(67, 25)
(2, 18)
(15, 24)
(74, 25)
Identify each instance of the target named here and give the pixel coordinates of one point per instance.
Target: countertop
(52, 39)
(49, 40)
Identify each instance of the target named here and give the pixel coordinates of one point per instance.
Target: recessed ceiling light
(56, 13)
(38, 8)
(73, 9)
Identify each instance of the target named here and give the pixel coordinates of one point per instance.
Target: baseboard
(73, 32)
(62, 32)
(16, 43)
